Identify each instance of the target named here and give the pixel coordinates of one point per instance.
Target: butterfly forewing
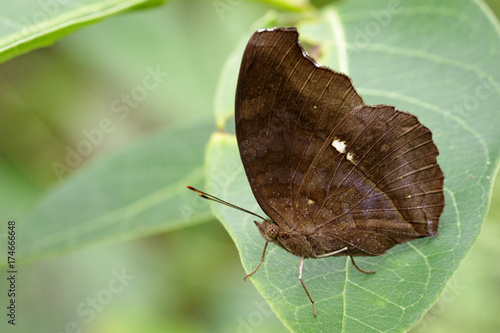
(281, 117)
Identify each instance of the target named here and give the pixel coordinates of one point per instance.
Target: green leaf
(290, 5)
(226, 87)
(26, 25)
(137, 191)
(437, 60)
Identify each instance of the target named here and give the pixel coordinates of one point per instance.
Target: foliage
(438, 61)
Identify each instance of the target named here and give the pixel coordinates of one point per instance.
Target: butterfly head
(268, 229)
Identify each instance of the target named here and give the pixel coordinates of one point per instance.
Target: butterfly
(336, 177)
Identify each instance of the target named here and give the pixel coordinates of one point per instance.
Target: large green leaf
(438, 60)
(136, 191)
(29, 24)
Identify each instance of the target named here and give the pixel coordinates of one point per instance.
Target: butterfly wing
(277, 111)
(385, 188)
(320, 162)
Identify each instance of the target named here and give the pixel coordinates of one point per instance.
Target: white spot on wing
(350, 157)
(268, 29)
(339, 145)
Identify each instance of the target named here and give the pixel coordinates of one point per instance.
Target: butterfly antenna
(207, 196)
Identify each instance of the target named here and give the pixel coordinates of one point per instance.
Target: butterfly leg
(359, 269)
(303, 285)
(260, 263)
(331, 253)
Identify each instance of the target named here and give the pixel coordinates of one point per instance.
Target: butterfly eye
(272, 231)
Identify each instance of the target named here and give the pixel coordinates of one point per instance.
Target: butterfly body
(300, 243)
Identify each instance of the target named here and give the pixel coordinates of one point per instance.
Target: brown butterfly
(335, 176)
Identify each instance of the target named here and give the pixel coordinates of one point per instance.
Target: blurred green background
(183, 281)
